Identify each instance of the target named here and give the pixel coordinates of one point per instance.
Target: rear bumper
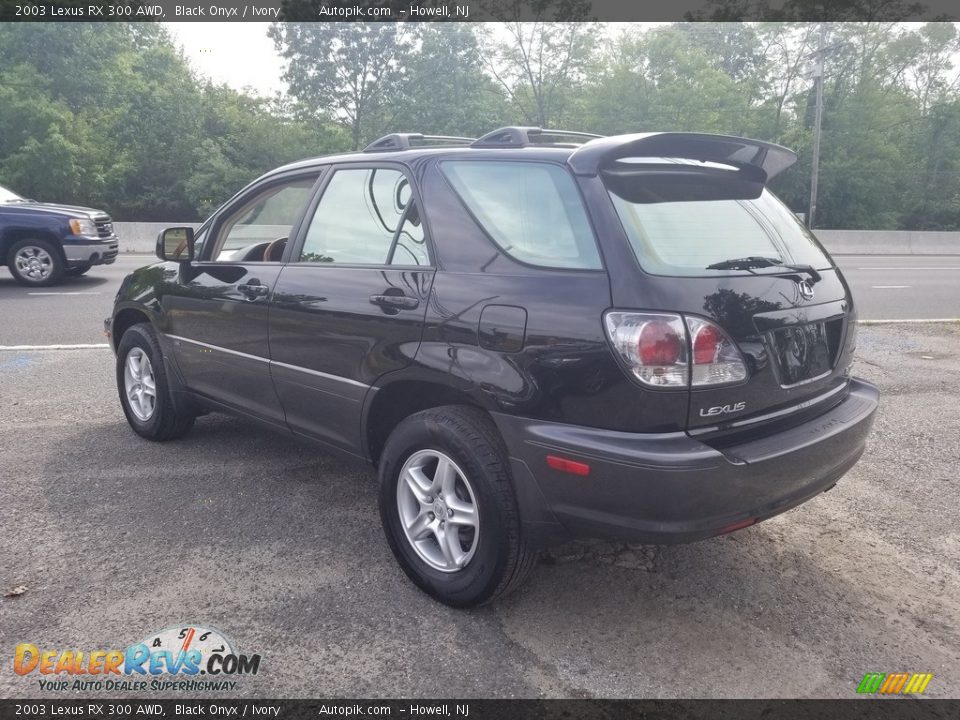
(91, 252)
(670, 488)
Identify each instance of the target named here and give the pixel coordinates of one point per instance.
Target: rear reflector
(569, 466)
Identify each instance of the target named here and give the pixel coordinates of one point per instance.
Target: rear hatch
(714, 245)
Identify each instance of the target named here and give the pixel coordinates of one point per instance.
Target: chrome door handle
(395, 301)
(253, 289)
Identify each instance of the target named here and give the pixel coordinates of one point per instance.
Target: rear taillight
(716, 360)
(665, 350)
(654, 347)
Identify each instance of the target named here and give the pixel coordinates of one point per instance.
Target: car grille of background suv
(104, 225)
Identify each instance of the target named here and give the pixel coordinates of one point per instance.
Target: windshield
(684, 238)
(6, 196)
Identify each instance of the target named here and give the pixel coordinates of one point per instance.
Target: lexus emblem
(806, 290)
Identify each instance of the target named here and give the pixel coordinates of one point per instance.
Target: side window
(257, 230)
(531, 210)
(366, 216)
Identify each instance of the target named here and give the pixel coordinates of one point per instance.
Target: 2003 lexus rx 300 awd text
(532, 335)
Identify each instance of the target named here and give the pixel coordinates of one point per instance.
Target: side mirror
(175, 244)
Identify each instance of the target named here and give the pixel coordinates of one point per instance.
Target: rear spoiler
(761, 159)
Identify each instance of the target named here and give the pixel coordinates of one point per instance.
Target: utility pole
(817, 121)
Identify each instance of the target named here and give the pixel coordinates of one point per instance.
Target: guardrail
(141, 237)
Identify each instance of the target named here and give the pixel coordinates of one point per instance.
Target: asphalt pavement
(108, 538)
(112, 538)
(885, 287)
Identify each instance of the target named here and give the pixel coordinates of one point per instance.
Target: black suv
(531, 335)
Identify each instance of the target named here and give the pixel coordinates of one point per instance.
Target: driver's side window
(258, 229)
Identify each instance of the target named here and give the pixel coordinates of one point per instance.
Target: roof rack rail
(518, 136)
(404, 141)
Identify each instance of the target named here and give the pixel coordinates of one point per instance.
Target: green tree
(541, 66)
(347, 71)
(445, 90)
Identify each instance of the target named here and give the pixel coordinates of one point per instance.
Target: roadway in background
(894, 287)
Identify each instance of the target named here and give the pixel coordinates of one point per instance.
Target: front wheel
(144, 390)
(448, 506)
(35, 263)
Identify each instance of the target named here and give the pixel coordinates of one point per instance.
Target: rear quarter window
(532, 211)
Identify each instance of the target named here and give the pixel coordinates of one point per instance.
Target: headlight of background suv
(83, 226)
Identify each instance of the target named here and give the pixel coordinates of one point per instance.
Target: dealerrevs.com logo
(180, 658)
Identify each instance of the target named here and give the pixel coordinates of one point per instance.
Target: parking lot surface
(280, 547)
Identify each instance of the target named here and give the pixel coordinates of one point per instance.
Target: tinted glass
(366, 217)
(531, 210)
(683, 238)
(269, 215)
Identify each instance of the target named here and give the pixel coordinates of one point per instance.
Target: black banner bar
(472, 10)
(854, 709)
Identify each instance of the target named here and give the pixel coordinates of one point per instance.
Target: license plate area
(807, 352)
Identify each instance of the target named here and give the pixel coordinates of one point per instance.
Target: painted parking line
(79, 346)
(64, 293)
(905, 269)
(890, 287)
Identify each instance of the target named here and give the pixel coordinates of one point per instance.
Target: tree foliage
(111, 114)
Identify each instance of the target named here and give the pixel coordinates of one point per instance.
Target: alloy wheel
(438, 510)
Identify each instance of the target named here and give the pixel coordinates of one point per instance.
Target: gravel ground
(280, 547)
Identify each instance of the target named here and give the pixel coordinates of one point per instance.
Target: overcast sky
(241, 55)
(236, 53)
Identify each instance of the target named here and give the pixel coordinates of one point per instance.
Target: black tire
(77, 270)
(502, 559)
(168, 419)
(53, 264)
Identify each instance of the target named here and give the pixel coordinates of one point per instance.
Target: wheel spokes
(464, 514)
(449, 540)
(445, 478)
(422, 526)
(438, 510)
(419, 484)
(140, 384)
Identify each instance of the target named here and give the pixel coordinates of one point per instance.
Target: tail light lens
(670, 351)
(716, 360)
(653, 346)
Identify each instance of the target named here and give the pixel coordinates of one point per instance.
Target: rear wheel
(144, 390)
(448, 506)
(35, 263)
(77, 270)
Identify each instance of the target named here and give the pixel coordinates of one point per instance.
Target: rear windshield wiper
(759, 261)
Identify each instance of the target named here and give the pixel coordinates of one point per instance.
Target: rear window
(683, 238)
(531, 210)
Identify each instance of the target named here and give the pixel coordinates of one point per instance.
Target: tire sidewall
(56, 274)
(478, 580)
(138, 336)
